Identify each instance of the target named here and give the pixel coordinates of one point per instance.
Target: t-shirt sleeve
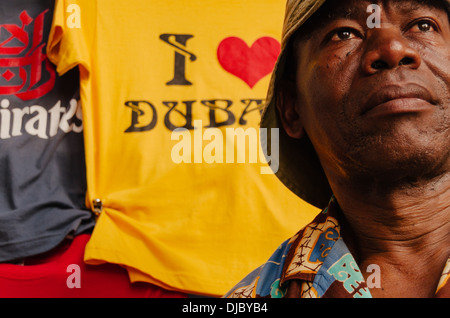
(71, 34)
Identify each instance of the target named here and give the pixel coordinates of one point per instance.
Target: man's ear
(288, 109)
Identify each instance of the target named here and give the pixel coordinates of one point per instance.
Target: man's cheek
(439, 64)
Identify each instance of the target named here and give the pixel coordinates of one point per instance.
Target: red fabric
(62, 273)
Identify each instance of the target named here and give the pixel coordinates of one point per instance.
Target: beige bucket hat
(298, 167)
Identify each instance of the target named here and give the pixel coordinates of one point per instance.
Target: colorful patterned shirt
(315, 263)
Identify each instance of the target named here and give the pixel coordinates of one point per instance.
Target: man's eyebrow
(354, 13)
(405, 7)
(329, 12)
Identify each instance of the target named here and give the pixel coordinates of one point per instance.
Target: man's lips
(398, 99)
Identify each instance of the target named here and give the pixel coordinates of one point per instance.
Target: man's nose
(388, 49)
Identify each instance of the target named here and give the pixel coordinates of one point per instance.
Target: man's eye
(342, 35)
(424, 26)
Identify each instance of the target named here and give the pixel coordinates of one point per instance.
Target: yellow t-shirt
(165, 87)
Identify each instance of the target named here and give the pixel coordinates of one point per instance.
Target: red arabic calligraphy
(28, 61)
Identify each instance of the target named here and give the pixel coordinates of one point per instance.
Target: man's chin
(402, 166)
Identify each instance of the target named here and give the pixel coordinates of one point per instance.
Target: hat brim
(298, 167)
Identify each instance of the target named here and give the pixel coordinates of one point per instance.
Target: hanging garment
(42, 164)
(166, 88)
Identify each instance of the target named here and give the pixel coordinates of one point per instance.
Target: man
(364, 112)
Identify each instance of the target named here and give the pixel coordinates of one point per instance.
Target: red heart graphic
(250, 64)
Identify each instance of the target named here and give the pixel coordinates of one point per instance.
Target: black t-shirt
(42, 168)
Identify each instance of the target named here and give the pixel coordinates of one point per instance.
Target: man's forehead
(357, 9)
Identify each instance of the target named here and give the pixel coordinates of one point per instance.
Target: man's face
(376, 100)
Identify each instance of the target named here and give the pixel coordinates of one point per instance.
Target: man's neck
(406, 231)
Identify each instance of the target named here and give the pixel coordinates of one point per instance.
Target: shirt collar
(311, 246)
